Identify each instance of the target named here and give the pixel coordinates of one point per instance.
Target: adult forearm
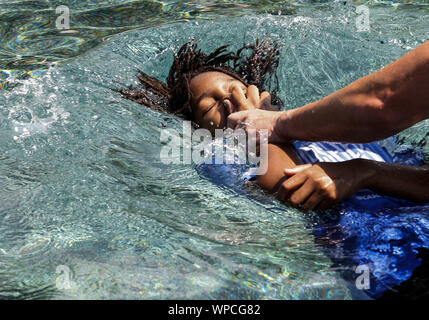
(371, 108)
(408, 182)
(348, 115)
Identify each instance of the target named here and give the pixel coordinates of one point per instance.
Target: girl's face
(212, 100)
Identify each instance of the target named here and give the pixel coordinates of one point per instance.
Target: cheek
(213, 121)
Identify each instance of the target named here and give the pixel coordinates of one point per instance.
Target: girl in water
(382, 232)
(207, 88)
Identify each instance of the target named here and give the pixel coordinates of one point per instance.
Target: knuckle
(321, 187)
(307, 173)
(323, 192)
(294, 201)
(331, 196)
(286, 187)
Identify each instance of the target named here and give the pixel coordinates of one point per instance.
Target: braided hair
(174, 96)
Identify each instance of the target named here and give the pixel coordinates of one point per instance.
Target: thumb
(239, 99)
(292, 171)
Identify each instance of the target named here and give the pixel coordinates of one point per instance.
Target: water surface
(82, 182)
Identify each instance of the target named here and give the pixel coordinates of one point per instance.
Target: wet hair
(174, 96)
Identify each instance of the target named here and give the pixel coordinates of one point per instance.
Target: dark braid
(189, 61)
(263, 60)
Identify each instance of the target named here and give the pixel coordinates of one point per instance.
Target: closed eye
(211, 107)
(230, 83)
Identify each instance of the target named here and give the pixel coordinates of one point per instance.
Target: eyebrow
(205, 95)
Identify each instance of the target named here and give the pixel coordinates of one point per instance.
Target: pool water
(82, 184)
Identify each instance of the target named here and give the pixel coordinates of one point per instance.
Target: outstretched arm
(321, 185)
(371, 108)
(408, 182)
(324, 184)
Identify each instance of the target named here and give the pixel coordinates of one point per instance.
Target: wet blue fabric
(311, 152)
(227, 176)
(380, 232)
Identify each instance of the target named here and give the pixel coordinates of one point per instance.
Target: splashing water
(82, 181)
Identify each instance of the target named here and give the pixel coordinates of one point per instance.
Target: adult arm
(371, 108)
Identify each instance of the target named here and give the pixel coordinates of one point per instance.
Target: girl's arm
(321, 185)
(324, 184)
(279, 158)
(309, 188)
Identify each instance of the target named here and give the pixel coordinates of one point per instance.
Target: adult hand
(258, 120)
(249, 99)
(321, 185)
